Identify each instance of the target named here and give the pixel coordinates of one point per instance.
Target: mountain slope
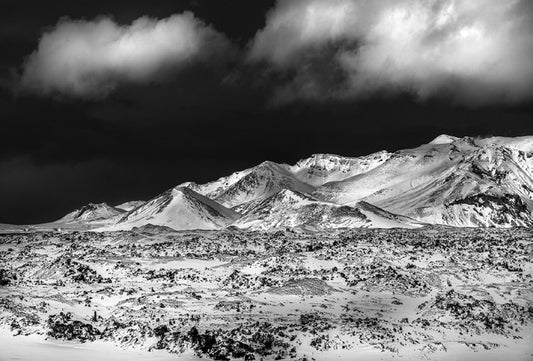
(215, 188)
(128, 206)
(241, 188)
(92, 212)
(320, 169)
(461, 182)
(179, 208)
(252, 184)
(288, 209)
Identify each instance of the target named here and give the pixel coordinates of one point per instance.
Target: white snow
(91, 213)
(39, 348)
(443, 139)
(131, 205)
(430, 183)
(179, 208)
(289, 209)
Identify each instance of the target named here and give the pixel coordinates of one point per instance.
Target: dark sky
(208, 118)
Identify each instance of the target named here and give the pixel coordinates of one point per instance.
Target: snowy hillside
(178, 208)
(461, 182)
(288, 209)
(258, 182)
(128, 206)
(320, 169)
(268, 178)
(91, 213)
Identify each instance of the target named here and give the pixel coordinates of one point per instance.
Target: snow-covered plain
(40, 348)
(158, 294)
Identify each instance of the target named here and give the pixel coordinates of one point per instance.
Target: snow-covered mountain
(457, 182)
(255, 183)
(451, 181)
(320, 169)
(268, 178)
(289, 209)
(180, 208)
(92, 213)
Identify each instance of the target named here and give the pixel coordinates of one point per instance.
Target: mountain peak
(444, 139)
(320, 169)
(180, 208)
(92, 212)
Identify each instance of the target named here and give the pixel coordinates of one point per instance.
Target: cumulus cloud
(473, 51)
(91, 58)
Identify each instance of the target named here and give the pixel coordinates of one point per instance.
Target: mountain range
(450, 181)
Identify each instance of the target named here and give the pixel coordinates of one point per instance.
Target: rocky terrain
(370, 294)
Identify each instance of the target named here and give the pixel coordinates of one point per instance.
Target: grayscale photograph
(307, 180)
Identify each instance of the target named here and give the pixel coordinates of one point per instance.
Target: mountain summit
(92, 212)
(179, 208)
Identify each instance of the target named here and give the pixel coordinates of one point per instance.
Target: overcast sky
(116, 101)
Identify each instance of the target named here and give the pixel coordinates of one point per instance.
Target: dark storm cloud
(472, 51)
(91, 58)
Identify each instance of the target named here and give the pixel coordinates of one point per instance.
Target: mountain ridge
(451, 181)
